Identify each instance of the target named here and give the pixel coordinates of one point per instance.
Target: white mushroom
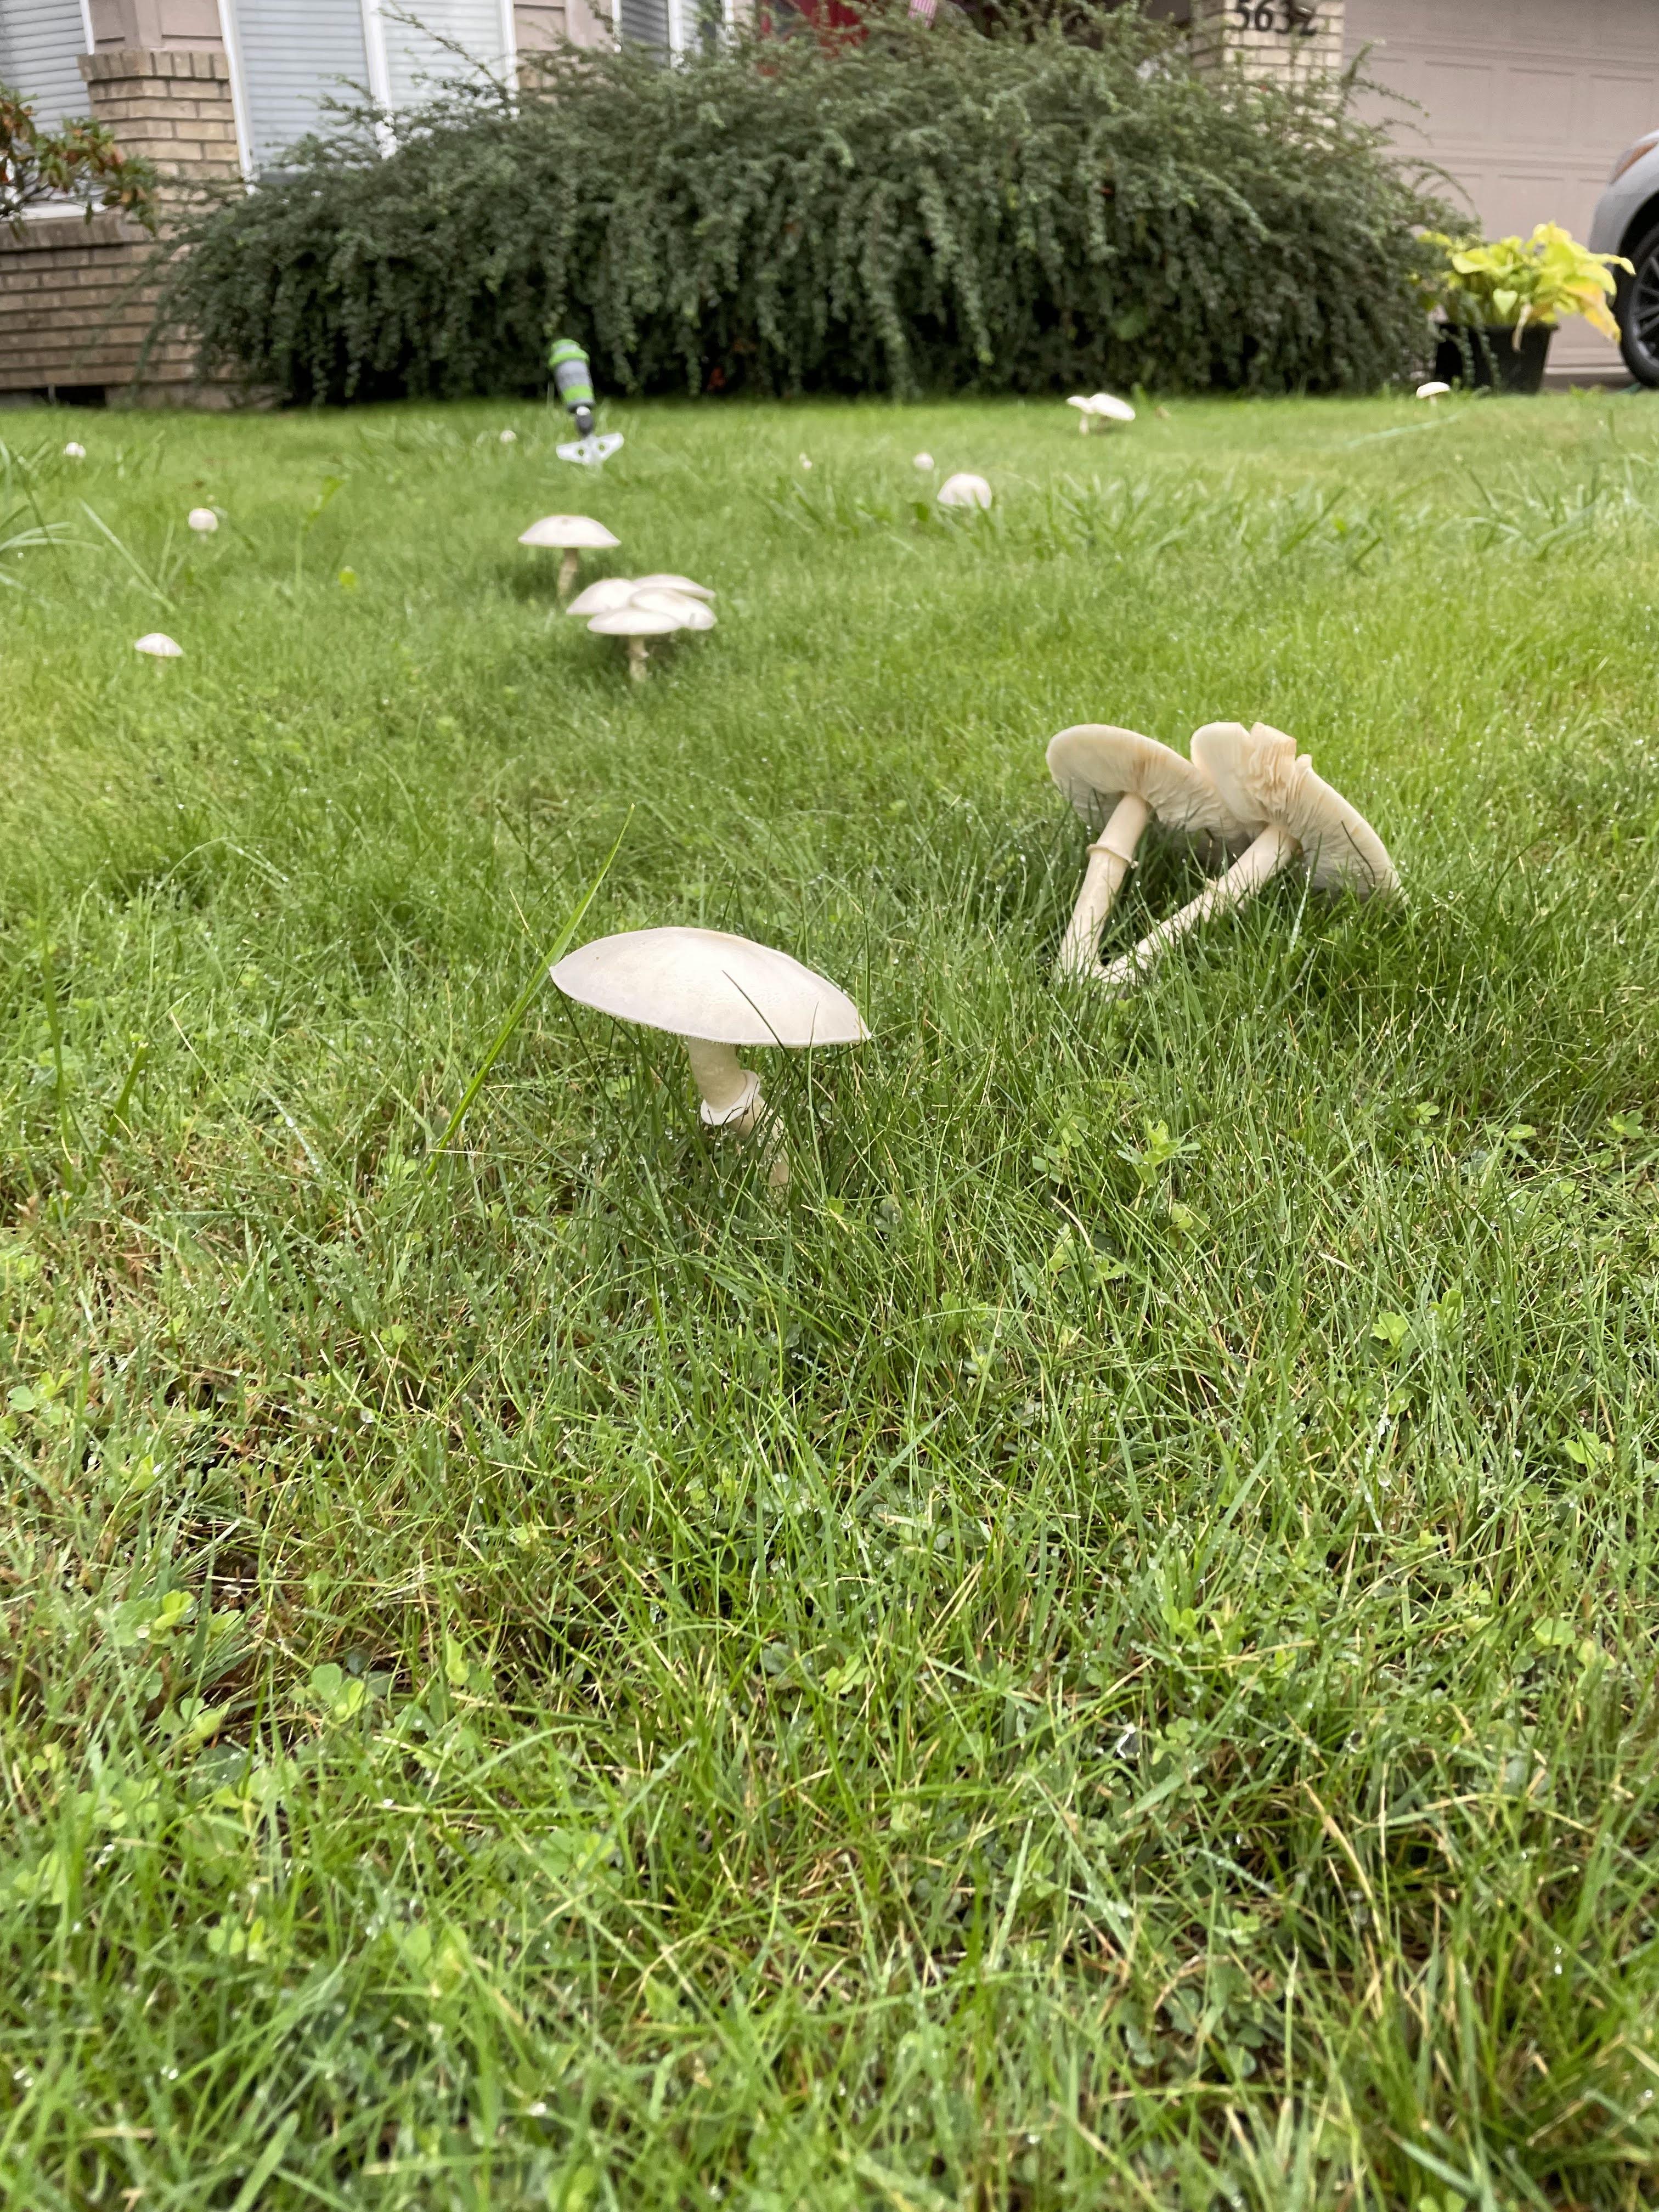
(74, 452)
(635, 625)
(1130, 780)
(509, 438)
(159, 646)
(922, 461)
(1259, 772)
(574, 534)
(684, 584)
(714, 992)
(691, 614)
(1432, 391)
(603, 597)
(1101, 407)
(202, 520)
(964, 490)
(802, 459)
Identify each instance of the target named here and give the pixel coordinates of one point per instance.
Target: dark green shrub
(925, 209)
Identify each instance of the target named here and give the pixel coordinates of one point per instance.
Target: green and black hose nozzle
(573, 382)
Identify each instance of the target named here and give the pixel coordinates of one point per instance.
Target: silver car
(1627, 221)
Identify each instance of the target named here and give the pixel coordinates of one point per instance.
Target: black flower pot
(1490, 357)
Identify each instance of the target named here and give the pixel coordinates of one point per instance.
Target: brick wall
(1281, 39)
(74, 306)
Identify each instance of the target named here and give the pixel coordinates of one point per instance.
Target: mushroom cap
(1095, 764)
(964, 490)
(74, 451)
(682, 584)
(1433, 390)
(567, 531)
(203, 518)
(1107, 404)
(635, 622)
(1259, 772)
(603, 597)
(690, 614)
(159, 646)
(706, 983)
(509, 438)
(922, 461)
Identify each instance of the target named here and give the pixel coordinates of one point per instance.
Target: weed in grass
(1104, 1652)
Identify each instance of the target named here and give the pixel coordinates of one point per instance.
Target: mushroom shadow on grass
(1260, 776)
(1131, 780)
(714, 992)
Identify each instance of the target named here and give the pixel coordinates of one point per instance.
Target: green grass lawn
(1102, 1653)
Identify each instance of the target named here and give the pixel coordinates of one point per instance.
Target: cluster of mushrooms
(636, 608)
(1245, 797)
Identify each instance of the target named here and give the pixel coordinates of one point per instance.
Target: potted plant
(1501, 298)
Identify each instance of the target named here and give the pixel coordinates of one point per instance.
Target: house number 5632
(1290, 20)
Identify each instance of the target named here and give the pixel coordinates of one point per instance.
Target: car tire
(1638, 310)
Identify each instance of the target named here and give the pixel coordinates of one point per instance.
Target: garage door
(1526, 103)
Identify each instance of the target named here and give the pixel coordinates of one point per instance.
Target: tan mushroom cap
(567, 531)
(603, 597)
(635, 622)
(706, 983)
(1258, 772)
(691, 614)
(681, 584)
(1097, 764)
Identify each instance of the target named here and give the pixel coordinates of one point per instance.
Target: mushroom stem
(730, 1091)
(1083, 422)
(732, 1100)
(1110, 859)
(636, 659)
(567, 573)
(1256, 865)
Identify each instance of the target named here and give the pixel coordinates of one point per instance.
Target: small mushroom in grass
(922, 461)
(964, 490)
(1101, 407)
(74, 451)
(714, 992)
(635, 625)
(1260, 775)
(509, 438)
(1433, 390)
(202, 520)
(603, 597)
(1130, 779)
(575, 535)
(159, 646)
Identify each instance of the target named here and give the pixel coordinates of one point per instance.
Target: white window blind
(293, 54)
(417, 60)
(647, 23)
(40, 40)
